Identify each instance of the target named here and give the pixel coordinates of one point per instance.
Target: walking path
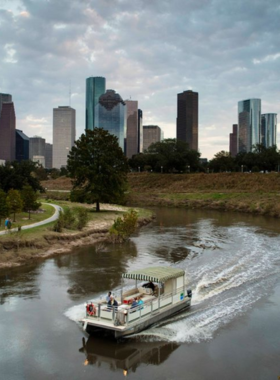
(46, 221)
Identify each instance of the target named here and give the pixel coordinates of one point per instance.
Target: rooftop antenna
(70, 93)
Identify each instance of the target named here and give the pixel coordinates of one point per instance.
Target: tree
(17, 174)
(4, 209)
(29, 198)
(98, 167)
(222, 162)
(14, 202)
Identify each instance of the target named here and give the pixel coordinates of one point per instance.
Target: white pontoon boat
(165, 294)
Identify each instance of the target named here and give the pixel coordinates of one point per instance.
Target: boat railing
(121, 316)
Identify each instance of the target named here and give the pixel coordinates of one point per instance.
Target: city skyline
(48, 49)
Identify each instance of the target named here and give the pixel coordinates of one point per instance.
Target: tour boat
(164, 294)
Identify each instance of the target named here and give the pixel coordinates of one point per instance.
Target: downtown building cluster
(253, 128)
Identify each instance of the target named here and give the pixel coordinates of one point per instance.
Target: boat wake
(226, 283)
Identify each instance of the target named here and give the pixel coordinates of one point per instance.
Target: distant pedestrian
(9, 224)
(6, 223)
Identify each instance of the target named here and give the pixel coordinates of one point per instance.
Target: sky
(148, 51)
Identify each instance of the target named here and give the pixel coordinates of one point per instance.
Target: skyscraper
(95, 86)
(233, 141)
(64, 133)
(37, 147)
(7, 128)
(110, 114)
(269, 129)
(187, 118)
(49, 156)
(22, 146)
(132, 128)
(140, 131)
(249, 124)
(151, 134)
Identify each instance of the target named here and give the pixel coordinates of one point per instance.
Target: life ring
(91, 309)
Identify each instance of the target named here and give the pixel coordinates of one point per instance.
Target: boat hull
(92, 327)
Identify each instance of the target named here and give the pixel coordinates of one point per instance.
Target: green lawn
(22, 219)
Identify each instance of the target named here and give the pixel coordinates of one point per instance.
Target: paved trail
(46, 221)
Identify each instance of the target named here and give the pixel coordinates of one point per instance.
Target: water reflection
(125, 356)
(96, 269)
(19, 282)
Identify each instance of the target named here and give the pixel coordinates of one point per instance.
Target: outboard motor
(189, 292)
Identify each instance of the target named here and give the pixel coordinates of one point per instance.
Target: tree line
(19, 185)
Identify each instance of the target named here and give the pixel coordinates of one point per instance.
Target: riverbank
(24, 247)
(254, 193)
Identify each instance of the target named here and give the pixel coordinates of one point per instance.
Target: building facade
(187, 118)
(95, 87)
(49, 156)
(132, 134)
(140, 131)
(269, 129)
(249, 124)
(233, 141)
(64, 134)
(110, 114)
(22, 146)
(37, 147)
(5, 98)
(7, 131)
(151, 134)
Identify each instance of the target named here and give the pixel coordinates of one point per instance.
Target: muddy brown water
(232, 330)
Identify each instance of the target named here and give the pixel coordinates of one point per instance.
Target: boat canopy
(156, 274)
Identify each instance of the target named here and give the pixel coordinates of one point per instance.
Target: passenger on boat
(108, 297)
(140, 303)
(149, 285)
(112, 303)
(134, 303)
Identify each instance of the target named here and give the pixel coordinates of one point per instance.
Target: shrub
(124, 226)
(82, 216)
(59, 224)
(69, 218)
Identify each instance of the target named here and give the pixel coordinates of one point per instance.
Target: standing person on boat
(112, 303)
(108, 297)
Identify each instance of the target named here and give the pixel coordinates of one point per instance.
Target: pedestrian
(6, 223)
(9, 224)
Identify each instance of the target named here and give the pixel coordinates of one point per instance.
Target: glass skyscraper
(110, 114)
(95, 86)
(269, 129)
(249, 124)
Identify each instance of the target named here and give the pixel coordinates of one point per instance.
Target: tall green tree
(29, 198)
(14, 202)
(222, 162)
(4, 209)
(98, 167)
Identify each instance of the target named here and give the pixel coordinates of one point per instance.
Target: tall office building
(132, 134)
(140, 131)
(151, 134)
(95, 87)
(49, 156)
(5, 98)
(233, 141)
(22, 146)
(37, 147)
(187, 118)
(64, 133)
(110, 114)
(269, 129)
(249, 124)
(7, 128)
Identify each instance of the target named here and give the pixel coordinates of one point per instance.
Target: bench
(130, 298)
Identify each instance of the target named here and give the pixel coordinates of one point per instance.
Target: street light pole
(161, 168)
(242, 168)
(138, 169)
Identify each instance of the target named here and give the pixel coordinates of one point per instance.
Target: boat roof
(157, 274)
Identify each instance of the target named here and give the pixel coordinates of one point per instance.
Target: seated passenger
(112, 303)
(134, 303)
(140, 303)
(149, 285)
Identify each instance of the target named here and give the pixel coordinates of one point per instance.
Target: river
(231, 331)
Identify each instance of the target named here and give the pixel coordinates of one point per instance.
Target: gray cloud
(149, 50)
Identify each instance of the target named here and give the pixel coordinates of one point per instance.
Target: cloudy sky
(148, 50)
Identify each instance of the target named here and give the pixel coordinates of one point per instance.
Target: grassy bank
(245, 192)
(19, 248)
